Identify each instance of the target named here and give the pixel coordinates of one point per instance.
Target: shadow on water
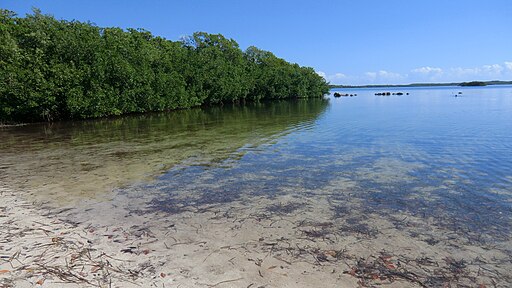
(76, 160)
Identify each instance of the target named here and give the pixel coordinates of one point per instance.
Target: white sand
(231, 245)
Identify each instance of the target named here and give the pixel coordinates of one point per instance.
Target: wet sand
(253, 242)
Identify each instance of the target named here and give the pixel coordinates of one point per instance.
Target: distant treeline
(55, 69)
(473, 83)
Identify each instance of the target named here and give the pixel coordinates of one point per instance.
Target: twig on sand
(222, 282)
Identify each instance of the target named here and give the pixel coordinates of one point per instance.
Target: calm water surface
(427, 154)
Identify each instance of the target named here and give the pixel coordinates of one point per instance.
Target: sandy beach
(298, 244)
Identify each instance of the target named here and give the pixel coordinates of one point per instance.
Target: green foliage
(55, 69)
(473, 83)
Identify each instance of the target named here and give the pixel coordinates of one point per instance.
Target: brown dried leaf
(352, 271)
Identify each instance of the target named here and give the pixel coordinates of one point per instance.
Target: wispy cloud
(493, 71)
(501, 71)
(371, 75)
(427, 70)
(390, 75)
(338, 76)
(332, 77)
(383, 76)
(322, 74)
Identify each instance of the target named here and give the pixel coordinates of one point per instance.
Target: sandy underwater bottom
(223, 226)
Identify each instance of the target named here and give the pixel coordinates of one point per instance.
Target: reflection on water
(426, 173)
(70, 160)
(429, 154)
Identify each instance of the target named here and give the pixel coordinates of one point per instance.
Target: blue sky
(348, 42)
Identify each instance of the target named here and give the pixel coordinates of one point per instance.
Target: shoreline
(101, 244)
(39, 249)
(239, 103)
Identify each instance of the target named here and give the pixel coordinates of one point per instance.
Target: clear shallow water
(73, 161)
(427, 154)
(351, 191)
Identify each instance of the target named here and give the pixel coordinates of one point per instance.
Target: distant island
(472, 83)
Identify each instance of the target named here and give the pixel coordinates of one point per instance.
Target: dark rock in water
(336, 94)
(460, 92)
(407, 93)
(399, 93)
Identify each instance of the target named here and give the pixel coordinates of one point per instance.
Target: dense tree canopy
(55, 69)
